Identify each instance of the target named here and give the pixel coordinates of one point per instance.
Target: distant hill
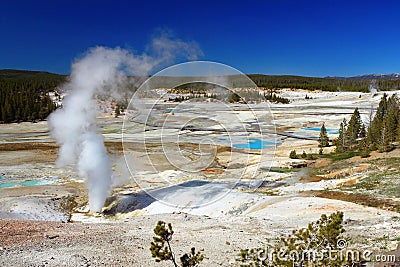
(361, 83)
(25, 95)
(28, 75)
(391, 76)
(30, 95)
(333, 84)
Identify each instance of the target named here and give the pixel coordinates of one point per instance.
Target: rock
(297, 165)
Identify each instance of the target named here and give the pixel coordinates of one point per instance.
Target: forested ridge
(24, 95)
(333, 84)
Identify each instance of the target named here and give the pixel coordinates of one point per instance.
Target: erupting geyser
(74, 125)
(101, 71)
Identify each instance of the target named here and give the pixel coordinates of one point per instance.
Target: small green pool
(38, 182)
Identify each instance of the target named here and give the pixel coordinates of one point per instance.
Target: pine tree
(323, 139)
(363, 132)
(353, 129)
(375, 129)
(398, 131)
(3, 114)
(391, 119)
(7, 113)
(382, 108)
(384, 143)
(363, 148)
(384, 128)
(293, 154)
(117, 111)
(161, 247)
(341, 142)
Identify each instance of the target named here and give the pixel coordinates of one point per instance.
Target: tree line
(25, 100)
(382, 131)
(325, 84)
(332, 84)
(24, 94)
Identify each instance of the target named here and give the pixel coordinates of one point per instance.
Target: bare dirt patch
(14, 232)
(311, 178)
(347, 171)
(27, 152)
(376, 155)
(366, 200)
(39, 152)
(322, 162)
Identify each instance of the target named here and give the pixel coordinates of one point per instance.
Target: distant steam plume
(101, 71)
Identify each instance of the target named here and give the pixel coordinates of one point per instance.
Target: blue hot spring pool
(255, 143)
(318, 129)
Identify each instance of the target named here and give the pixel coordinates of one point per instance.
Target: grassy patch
(362, 199)
(392, 162)
(268, 192)
(382, 184)
(340, 156)
(111, 131)
(383, 181)
(379, 184)
(332, 167)
(283, 170)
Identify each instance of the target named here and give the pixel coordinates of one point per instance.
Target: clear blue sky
(304, 37)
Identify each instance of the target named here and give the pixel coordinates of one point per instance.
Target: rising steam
(101, 71)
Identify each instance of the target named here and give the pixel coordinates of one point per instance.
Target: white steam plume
(73, 126)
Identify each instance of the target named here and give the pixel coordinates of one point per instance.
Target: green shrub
(161, 248)
(293, 154)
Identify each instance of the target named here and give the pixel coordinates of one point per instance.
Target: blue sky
(304, 37)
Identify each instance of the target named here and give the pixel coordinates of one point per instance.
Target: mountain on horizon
(16, 74)
(27, 75)
(372, 76)
(378, 76)
(35, 74)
